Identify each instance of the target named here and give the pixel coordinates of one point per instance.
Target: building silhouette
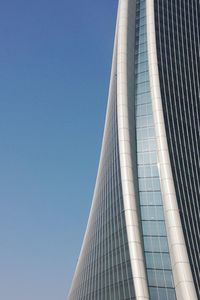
(143, 234)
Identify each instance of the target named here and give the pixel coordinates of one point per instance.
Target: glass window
(142, 121)
(171, 294)
(152, 213)
(153, 157)
(154, 228)
(154, 293)
(156, 184)
(142, 67)
(146, 184)
(142, 99)
(143, 87)
(141, 57)
(142, 47)
(150, 198)
(144, 171)
(140, 158)
(139, 146)
(155, 244)
(162, 294)
(151, 145)
(154, 171)
(158, 260)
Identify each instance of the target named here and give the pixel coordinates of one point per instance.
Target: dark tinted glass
(178, 34)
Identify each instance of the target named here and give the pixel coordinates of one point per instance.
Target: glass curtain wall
(105, 270)
(178, 44)
(158, 265)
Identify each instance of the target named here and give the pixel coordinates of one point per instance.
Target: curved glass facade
(178, 42)
(104, 269)
(158, 265)
(125, 253)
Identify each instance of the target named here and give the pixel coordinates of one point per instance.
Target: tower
(143, 234)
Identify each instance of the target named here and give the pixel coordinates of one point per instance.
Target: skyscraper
(143, 235)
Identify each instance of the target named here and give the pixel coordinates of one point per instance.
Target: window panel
(158, 260)
(154, 228)
(152, 213)
(155, 244)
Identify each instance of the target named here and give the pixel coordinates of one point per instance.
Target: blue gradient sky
(55, 59)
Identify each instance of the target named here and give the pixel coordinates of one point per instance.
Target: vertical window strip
(155, 244)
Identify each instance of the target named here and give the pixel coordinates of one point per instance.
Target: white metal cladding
(183, 280)
(125, 79)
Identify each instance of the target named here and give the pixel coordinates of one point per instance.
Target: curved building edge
(111, 90)
(181, 269)
(125, 107)
(122, 70)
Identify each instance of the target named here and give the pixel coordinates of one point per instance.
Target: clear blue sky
(55, 58)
